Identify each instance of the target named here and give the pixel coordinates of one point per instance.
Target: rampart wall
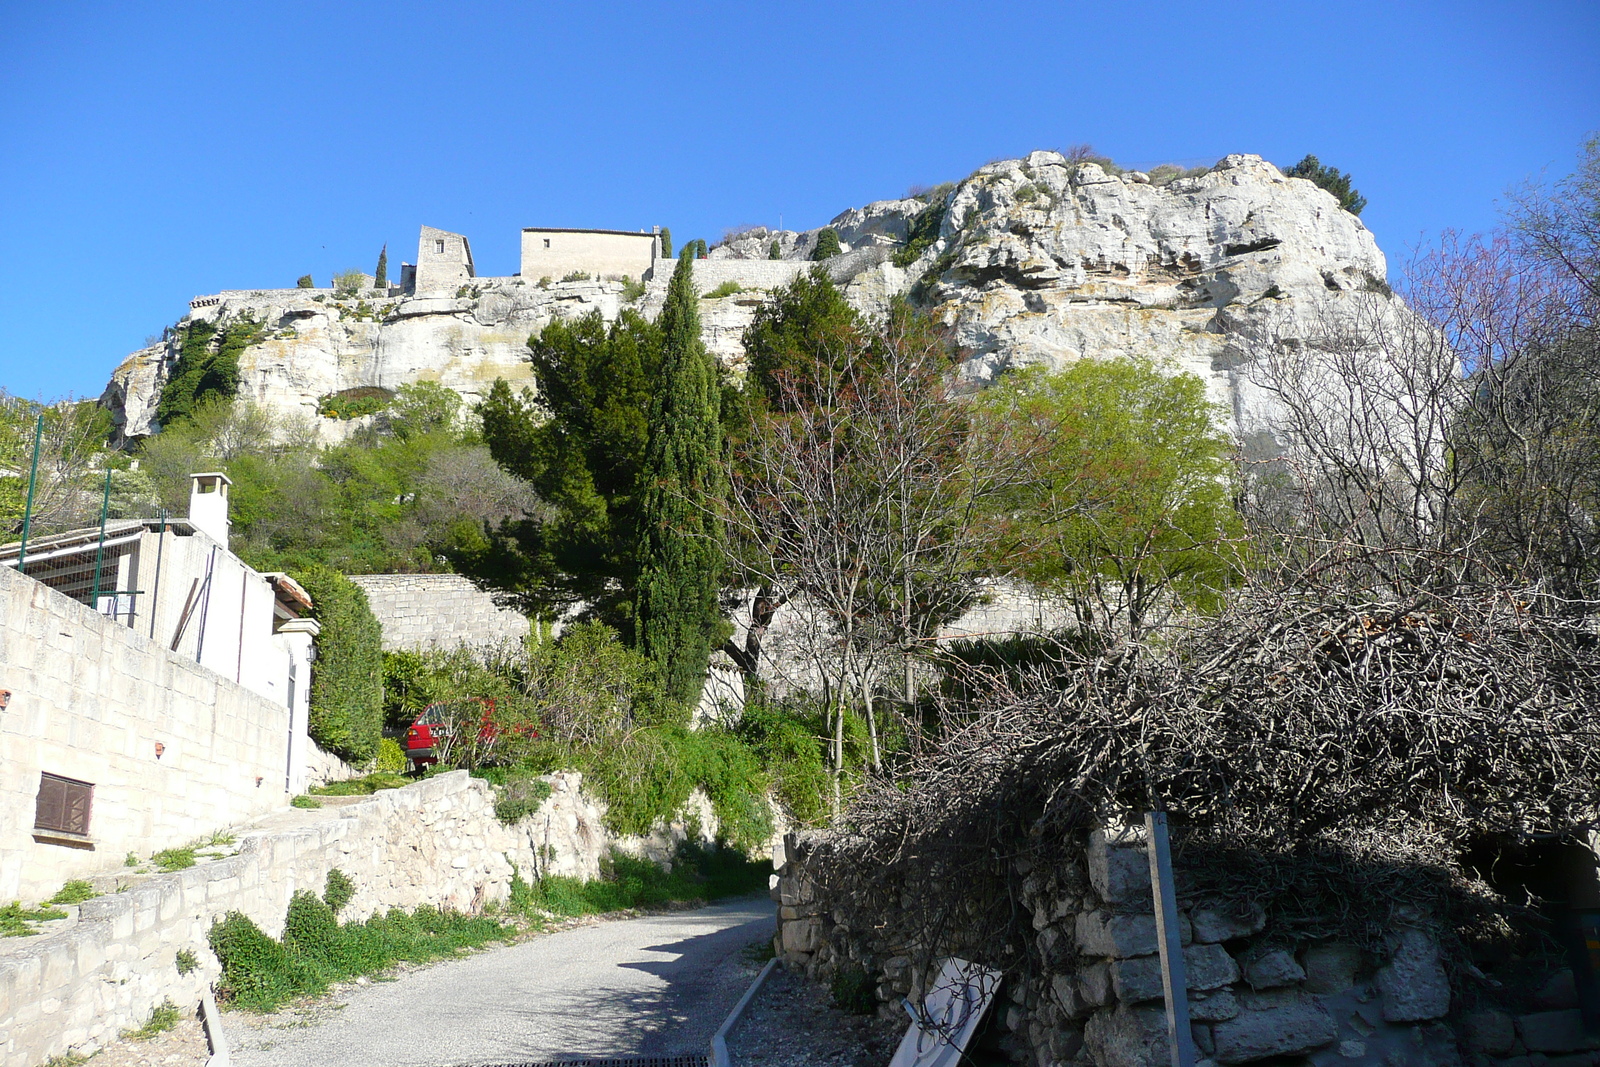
(172, 749)
(427, 611)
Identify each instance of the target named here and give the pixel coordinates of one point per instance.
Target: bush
(305, 282)
(207, 366)
(338, 891)
(354, 403)
(827, 244)
(854, 991)
(923, 231)
(1330, 179)
(348, 283)
(774, 250)
(260, 974)
(347, 679)
(185, 961)
(303, 801)
(174, 859)
(632, 290)
(391, 757)
(576, 276)
(725, 289)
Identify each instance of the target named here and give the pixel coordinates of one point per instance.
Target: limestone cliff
(1036, 260)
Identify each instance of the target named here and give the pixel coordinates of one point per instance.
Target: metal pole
(155, 595)
(100, 549)
(33, 476)
(1174, 979)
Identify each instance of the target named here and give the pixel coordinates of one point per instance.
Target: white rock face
(1038, 261)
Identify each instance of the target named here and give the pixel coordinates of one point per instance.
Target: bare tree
(857, 493)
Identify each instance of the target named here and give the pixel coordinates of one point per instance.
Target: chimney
(208, 505)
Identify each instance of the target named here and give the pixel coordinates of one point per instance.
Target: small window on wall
(438, 247)
(63, 807)
(547, 242)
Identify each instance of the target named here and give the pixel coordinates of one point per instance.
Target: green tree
(347, 680)
(305, 282)
(774, 250)
(380, 277)
(666, 243)
(808, 323)
(349, 282)
(1123, 497)
(1330, 179)
(680, 546)
(579, 437)
(423, 407)
(827, 244)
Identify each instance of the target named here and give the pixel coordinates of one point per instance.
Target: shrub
(391, 757)
(260, 974)
(827, 244)
(303, 801)
(185, 961)
(774, 250)
(353, 403)
(74, 892)
(131, 860)
(632, 290)
(305, 282)
(349, 282)
(347, 679)
(725, 289)
(1330, 179)
(338, 891)
(854, 991)
(922, 233)
(207, 366)
(576, 276)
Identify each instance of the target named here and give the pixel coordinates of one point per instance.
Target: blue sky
(151, 152)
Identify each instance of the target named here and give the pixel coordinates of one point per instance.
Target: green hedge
(347, 678)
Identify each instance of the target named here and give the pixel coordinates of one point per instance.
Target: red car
(430, 737)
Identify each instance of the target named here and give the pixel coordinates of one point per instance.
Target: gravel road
(658, 986)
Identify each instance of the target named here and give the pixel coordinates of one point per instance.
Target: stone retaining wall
(426, 611)
(84, 980)
(1254, 994)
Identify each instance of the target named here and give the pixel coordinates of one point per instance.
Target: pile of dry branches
(1352, 748)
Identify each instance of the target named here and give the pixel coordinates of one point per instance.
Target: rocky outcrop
(1037, 260)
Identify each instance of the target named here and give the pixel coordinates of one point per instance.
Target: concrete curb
(719, 1040)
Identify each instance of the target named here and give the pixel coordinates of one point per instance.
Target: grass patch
(260, 974)
(74, 892)
(163, 1018)
(17, 921)
(519, 792)
(725, 289)
(303, 801)
(626, 882)
(174, 859)
(360, 787)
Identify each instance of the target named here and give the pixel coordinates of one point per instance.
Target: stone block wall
(1254, 993)
(173, 749)
(78, 985)
(428, 611)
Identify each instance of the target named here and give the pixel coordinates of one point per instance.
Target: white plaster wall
(90, 700)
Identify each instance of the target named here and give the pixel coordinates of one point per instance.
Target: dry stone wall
(1255, 994)
(427, 611)
(81, 983)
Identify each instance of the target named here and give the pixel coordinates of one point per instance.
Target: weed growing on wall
(18, 921)
(74, 892)
(162, 1018)
(186, 961)
(174, 859)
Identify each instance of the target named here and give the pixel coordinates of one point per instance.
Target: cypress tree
(827, 244)
(680, 549)
(666, 243)
(380, 278)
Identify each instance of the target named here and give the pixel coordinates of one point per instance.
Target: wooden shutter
(64, 805)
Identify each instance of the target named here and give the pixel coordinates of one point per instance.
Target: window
(547, 242)
(63, 806)
(438, 247)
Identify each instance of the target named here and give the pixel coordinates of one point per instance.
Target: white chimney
(208, 505)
